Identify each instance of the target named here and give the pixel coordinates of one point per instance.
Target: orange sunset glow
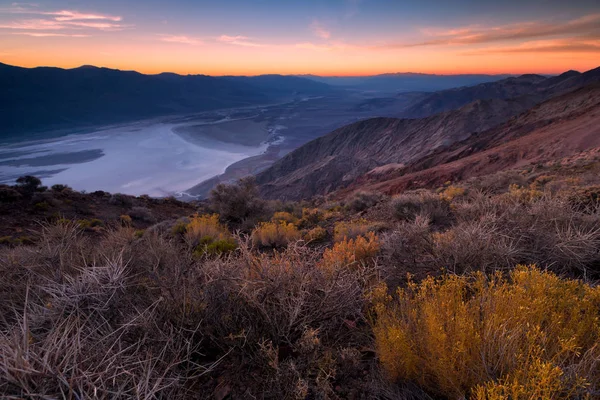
(337, 38)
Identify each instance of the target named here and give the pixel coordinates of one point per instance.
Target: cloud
(586, 25)
(60, 20)
(239, 41)
(319, 30)
(33, 24)
(337, 46)
(551, 46)
(67, 15)
(104, 26)
(181, 39)
(48, 34)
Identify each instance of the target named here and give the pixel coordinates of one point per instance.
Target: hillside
(562, 127)
(34, 99)
(537, 87)
(335, 160)
(110, 296)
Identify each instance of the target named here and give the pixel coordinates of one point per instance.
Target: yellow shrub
(351, 251)
(523, 194)
(125, 220)
(311, 217)
(541, 181)
(531, 335)
(273, 234)
(451, 192)
(201, 226)
(282, 216)
(317, 234)
(207, 236)
(350, 230)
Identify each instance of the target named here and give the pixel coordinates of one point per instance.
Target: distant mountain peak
(570, 73)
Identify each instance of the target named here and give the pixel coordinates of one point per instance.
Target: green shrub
(210, 246)
(41, 206)
(180, 228)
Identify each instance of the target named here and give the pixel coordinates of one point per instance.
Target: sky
(323, 37)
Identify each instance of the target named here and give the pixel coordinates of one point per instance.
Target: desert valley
(287, 216)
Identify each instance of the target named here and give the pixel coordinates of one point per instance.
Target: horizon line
(305, 74)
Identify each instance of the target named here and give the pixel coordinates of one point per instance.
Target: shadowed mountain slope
(336, 160)
(33, 99)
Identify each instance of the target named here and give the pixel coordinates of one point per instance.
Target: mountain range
(46, 98)
(35, 99)
(405, 82)
(455, 124)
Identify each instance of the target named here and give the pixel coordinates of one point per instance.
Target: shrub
(451, 192)
(142, 214)
(585, 199)
(94, 222)
(139, 233)
(361, 201)
(125, 220)
(41, 206)
(119, 199)
(352, 229)
(180, 228)
(6, 240)
(350, 252)
(205, 226)
(8, 194)
(407, 206)
(210, 246)
(408, 249)
(311, 217)
(25, 240)
(283, 216)
(29, 183)
(273, 234)
(528, 335)
(523, 194)
(474, 245)
(317, 234)
(84, 224)
(239, 202)
(59, 188)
